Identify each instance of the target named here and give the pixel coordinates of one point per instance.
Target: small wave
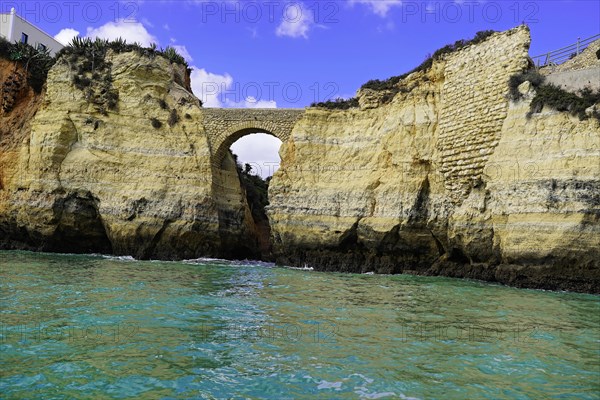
(329, 385)
(254, 263)
(119, 258)
(203, 260)
(232, 263)
(382, 395)
(303, 268)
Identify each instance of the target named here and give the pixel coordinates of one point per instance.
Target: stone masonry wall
(474, 106)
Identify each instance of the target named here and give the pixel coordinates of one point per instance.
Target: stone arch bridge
(226, 125)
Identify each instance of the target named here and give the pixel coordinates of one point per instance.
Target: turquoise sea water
(82, 327)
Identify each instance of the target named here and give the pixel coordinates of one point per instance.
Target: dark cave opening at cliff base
(241, 190)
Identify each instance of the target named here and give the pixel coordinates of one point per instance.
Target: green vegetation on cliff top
(391, 83)
(93, 72)
(90, 53)
(549, 95)
(338, 104)
(98, 48)
(36, 63)
(560, 100)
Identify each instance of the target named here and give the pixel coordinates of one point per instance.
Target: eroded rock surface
(95, 180)
(447, 178)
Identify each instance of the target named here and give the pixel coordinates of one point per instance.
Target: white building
(16, 29)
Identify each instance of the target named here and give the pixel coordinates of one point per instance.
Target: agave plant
(173, 56)
(118, 45)
(35, 62)
(25, 53)
(78, 42)
(95, 50)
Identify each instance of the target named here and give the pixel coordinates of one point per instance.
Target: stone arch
(224, 126)
(239, 231)
(238, 131)
(238, 227)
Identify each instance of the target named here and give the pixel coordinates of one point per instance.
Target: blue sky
(290, 53)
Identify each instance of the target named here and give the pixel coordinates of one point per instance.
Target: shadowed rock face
(79, 227)
(448, 178)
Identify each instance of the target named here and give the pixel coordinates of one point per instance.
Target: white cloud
(147, 22)
(131, 31)
(261, 151)
(251, 102)
(388, 26)
(208, 86)
(379, 7)
(297, 21)
(184, 52)
(66, 35)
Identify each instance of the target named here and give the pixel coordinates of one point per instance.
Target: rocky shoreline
(438, 173)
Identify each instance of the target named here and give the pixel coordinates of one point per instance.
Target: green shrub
(256, 189)
(112, 97)
(559, 99)
(163, 104)
(514, 81)
(36, 62)
(5, 47)
(337, 104)
(81, 82)
(173, 56)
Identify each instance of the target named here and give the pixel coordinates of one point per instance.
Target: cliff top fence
(559, 56)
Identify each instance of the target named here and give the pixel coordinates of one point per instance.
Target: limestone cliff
(442, 175)
(448, 178)
(134, 178)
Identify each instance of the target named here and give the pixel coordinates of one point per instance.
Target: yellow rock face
(544, 180)
(109, 180)
(354, 178)
(446, 179)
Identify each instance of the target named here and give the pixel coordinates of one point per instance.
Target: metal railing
(559, 56)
